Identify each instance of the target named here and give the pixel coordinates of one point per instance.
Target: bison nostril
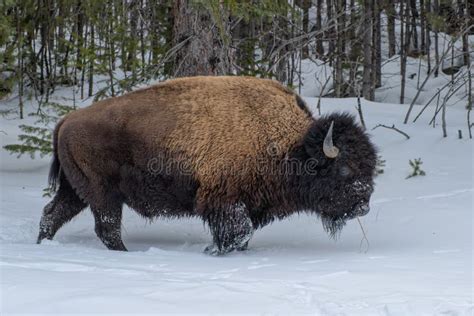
(363, 209)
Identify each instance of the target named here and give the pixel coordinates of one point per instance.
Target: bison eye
(345, 171)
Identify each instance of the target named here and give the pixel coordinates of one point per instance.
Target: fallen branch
(364, 237)
(393, 128)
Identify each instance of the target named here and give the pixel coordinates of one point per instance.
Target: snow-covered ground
(419, 261)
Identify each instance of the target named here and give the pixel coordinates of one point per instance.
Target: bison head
(339, 184)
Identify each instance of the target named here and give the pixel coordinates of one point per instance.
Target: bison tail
(55, 168)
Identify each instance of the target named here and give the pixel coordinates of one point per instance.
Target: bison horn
(329, 149)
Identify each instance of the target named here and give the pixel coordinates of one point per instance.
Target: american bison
(237, 152)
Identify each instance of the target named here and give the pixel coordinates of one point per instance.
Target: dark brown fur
(194, 147)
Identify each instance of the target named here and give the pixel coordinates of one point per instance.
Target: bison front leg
(108, 221)
(231, 229)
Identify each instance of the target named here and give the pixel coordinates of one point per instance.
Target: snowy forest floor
(419, 261)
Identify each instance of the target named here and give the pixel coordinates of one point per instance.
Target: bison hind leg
(65, 205)
(231, 229)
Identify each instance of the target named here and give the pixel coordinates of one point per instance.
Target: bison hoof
(42, 235)
(243, 247)
(115, 245)
(213, 250)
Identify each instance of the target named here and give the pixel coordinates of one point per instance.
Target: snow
(418, 262)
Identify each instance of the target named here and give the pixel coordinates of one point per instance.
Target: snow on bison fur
(237, 152)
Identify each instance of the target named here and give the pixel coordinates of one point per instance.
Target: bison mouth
(360, 209)
(333, 224)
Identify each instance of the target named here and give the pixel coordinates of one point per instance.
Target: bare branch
(435, 68)
(392, 128)
(359, 109)
(450, 83)
(448, 95)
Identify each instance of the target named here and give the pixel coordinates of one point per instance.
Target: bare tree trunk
(355, 49)
(142, 38)
(390, 11)
(403, 58)
(83, 71)
(204, 41)
(79, 35)
(19, 33)
(465, 37)
(376, 47)
(291, 48)
(319, 42)
(469, 99)
(132, 45)
(470, 11)
(467, 60)
(245, 42)
(367, 88)
(338, 80)
(60, 38)
(91, 61)
(305, 5)
(443, 118)
(436, 12)
(282, 72)
(428, 35)
(331, 34)
(111, 52)
(414, 32)
(423, 27)
(153, 8)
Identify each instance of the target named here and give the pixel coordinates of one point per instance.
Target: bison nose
(362, 209)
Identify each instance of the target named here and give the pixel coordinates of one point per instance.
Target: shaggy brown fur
(220, 125)
(191, 146)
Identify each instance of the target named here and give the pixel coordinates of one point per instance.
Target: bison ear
(311, 152)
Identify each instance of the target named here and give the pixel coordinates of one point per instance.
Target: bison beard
(333, 226)
(101, 159)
